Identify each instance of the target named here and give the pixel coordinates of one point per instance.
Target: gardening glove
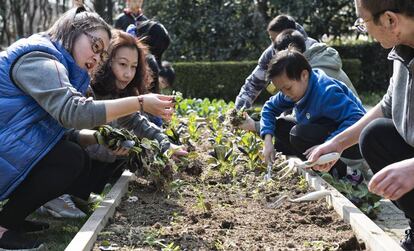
(100, 153)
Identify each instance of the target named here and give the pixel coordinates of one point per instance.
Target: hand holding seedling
(248, 124)
(314, 153)
(159, 105)
(393, 181)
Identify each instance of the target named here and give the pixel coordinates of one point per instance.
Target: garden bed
(215, 215)
(216, 198)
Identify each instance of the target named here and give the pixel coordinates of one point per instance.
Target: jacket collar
(404, 54)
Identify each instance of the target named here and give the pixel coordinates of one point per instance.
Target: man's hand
(393, 181)
(313, 154)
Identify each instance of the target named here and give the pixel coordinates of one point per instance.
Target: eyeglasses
(360, 24)
(97, 46)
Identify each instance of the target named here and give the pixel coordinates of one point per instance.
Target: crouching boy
(323, 107)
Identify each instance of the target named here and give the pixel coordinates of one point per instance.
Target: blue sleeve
(341, 108)
(255, 82)
(272, 109)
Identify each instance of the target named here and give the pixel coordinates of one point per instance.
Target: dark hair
(281, 23)
(74, 23)
(377, 7)
(290, 61)
(155, 36)
(167, 72)
(290, 38)
(103, 82)
(154, 86)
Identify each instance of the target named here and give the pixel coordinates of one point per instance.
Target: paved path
(391, 220)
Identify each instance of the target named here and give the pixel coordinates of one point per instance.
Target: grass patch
(60, 233)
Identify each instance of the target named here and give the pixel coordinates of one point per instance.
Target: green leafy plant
(366, 201)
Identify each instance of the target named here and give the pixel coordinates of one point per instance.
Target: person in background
(43, 81)
(386, 133)
(256, 82)
(129, 15)
(323, 107)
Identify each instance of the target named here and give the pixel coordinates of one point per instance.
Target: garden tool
(268, 175)
(312, 196)
(292, 163)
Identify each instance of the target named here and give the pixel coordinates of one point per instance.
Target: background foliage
(222, 80)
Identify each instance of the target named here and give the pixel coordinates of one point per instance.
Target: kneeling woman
(43, 80)
(126, 74)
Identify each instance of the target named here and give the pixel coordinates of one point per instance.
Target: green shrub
(224, 79)
(375, 69)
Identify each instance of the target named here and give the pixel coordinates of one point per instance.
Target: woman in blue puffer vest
(43, 80)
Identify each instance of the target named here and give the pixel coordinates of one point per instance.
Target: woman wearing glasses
(43, 80)
(386, 132)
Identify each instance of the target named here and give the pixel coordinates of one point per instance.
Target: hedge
(375, 70)
(224, 79)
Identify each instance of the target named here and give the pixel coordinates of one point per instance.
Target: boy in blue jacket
(323, 107)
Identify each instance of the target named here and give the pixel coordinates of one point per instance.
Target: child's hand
(268, 149)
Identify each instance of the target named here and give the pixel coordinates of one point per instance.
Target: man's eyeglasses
(97, 46)
(360, 24)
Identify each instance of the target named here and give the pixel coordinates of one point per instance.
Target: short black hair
(290, 38)
(377, 7)
(281, 23)
(167, 72)
(290, 61)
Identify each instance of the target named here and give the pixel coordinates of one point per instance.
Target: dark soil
(212, 213)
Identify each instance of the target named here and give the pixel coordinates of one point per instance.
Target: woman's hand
(393, 181)
(158, 105)
(178, 150)
(313, 154)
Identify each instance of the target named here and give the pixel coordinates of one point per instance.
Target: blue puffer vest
(28, 132)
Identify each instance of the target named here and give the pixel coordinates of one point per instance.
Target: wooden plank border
(86, 237)
(364, 228)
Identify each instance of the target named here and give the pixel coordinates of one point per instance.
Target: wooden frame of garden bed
(364, 228)
(86, 237)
